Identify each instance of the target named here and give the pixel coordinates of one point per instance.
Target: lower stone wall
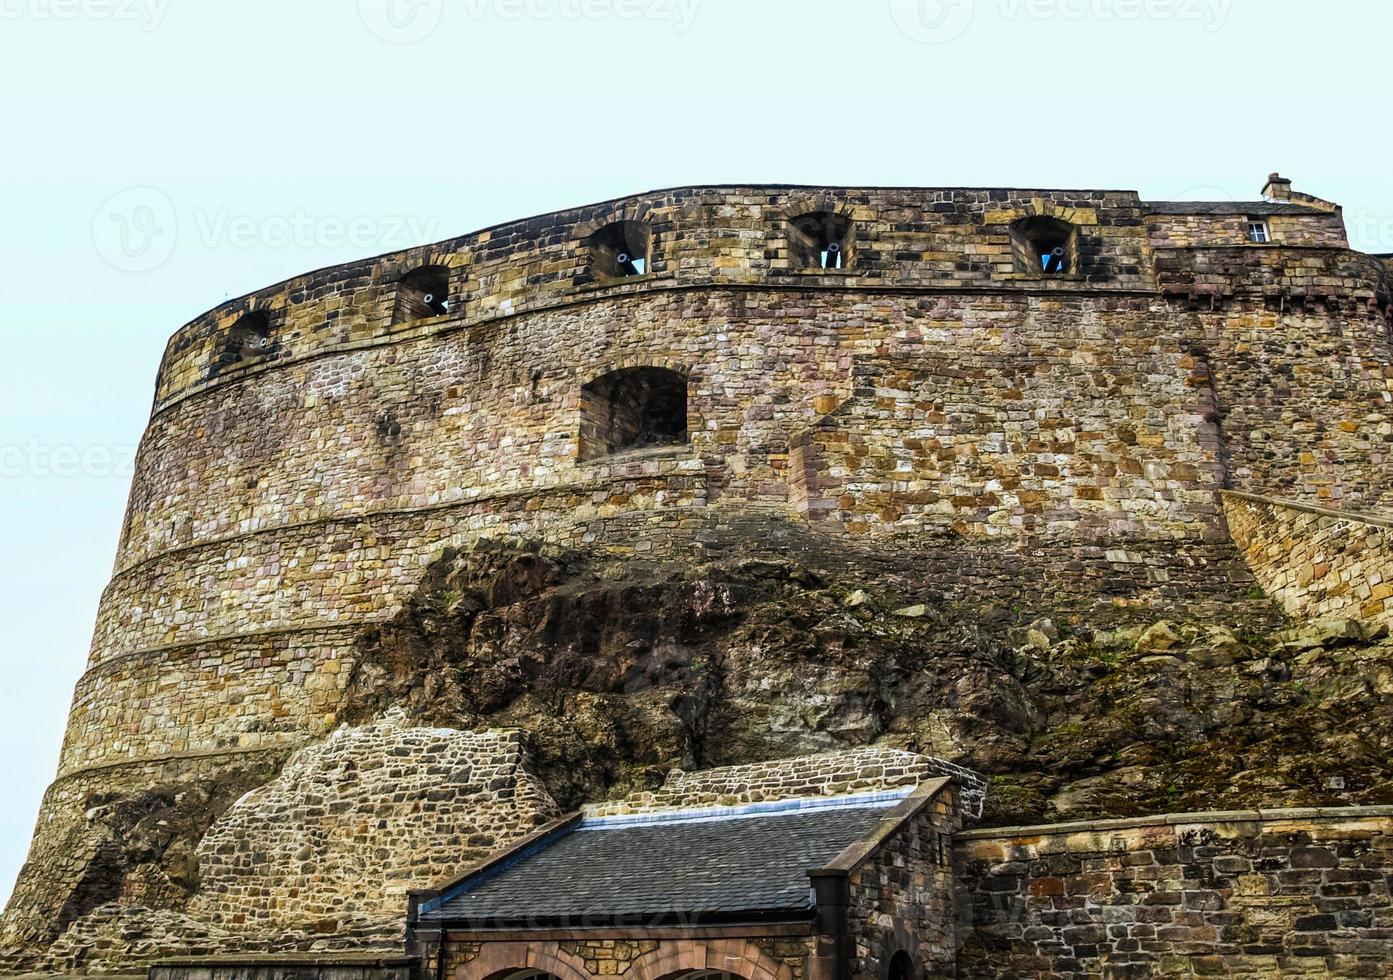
(764, 954)
(1316, 562)
(1242, 894)
(342, 967)
(102, 830)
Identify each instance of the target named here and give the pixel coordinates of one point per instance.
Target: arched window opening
(704, 975)
(620, 250)
(249, 337)
(1044, 246)
(821, 240)
(901, 967)
(522, 973)
(422, 292)
(632, 408)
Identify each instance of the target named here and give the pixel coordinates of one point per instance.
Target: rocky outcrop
(620, 670)
(133, 845)
(517, 675)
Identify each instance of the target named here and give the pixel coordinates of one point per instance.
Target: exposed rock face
(622, 670)
(613, 671)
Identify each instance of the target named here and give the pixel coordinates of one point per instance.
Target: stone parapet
(1315, 561)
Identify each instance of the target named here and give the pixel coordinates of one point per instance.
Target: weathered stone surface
(1271, 894)
(1319, 564)
(935, 427)
(352, 822)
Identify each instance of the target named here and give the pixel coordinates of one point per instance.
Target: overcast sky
(164, 155)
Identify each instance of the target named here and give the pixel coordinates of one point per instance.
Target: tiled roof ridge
(830, 774)
(596, 819)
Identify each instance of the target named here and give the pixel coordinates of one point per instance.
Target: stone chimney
(1278, 188)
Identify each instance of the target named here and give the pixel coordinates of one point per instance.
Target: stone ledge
(156, 760)
(1180, 819)
(363, 517)
(1362, 517)
(291, 959)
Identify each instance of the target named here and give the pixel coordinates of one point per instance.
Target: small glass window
(1258, 232)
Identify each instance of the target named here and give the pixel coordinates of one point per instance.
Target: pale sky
(164, 155)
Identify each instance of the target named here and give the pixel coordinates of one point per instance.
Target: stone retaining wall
(353, 822)
(342, 967)
(1244, 894)
(1316, 562)
(901, 898)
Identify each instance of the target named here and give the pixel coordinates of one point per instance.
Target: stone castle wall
(311, 852)
(933, 392)
(74, 864)
(1316, 562)
(1244, 894)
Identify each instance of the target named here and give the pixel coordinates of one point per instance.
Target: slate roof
(755, 863)
(1256, 208)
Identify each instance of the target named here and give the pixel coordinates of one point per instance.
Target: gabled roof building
(804, 883)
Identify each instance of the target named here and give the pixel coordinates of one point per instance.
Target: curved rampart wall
(281, 503)
(932, 392)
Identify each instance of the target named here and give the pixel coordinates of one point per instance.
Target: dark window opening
(1044, 246)
(421, 293)
(820, 240)
(249, 337)
(632, 408)
(620, 250)
(901, 967)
